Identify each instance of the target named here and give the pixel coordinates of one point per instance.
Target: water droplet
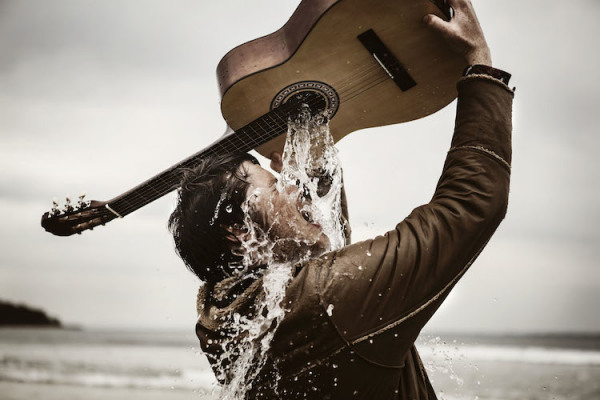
(330, 310)
(368, 253)
(360, 268)
(229, 208)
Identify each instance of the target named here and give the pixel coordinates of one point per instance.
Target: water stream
(310, 162)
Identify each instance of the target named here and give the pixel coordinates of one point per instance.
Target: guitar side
(325, 49)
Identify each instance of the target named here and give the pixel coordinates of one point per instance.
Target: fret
(245, 139)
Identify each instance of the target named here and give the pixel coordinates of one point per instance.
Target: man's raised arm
(401, 278)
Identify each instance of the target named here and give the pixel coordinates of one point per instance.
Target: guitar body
(319, 49)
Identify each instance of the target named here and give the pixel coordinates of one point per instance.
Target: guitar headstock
(76, 218)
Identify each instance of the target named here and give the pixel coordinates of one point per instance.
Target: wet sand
(28, 391)
(489, 380)
(493, 380)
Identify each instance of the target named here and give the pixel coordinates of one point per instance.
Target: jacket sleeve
(396, 281)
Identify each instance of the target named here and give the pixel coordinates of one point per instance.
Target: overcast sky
(97, 96)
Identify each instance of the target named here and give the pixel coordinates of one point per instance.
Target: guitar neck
(87, 215)
(245, 139)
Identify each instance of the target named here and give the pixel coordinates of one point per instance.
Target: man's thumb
(435, 22)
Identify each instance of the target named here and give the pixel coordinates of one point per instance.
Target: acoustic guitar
(363, 63)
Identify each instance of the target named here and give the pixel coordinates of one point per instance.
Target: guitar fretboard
(244, 139)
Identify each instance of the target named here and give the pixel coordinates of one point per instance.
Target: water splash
(254, 335)
(449, 355)
(310, 162)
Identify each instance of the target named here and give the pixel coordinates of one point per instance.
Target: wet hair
(209, 202)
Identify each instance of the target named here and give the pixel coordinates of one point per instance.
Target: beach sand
(23, 391)
(487, 380)
(494, 380)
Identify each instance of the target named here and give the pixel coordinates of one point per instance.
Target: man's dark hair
(209, 202)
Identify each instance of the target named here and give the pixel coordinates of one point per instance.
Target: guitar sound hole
(326, 92)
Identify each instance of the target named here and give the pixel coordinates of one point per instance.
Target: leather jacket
(352, 315)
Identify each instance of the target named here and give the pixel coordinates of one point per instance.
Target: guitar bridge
(386, 60)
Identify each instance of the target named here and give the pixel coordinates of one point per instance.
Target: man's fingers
(462, 33)
(458, 4)
(436, 23)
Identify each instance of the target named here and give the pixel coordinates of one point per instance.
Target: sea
(477, 367)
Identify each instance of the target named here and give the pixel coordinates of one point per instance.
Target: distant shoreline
(23, 316)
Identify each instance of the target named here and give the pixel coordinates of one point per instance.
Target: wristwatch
(496, 73)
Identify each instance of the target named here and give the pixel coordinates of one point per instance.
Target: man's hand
(463, 33)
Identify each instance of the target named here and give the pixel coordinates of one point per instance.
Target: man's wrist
(479, 55)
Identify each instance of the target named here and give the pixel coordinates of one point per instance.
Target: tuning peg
(82, 203)
(68, 207)
(54, 210)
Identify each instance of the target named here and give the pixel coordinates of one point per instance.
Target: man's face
(278, 215)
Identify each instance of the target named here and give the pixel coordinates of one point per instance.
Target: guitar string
(168, 182)
(363, 87)
(347, 89)
(144, 197)
(165, 182)
(227, 146)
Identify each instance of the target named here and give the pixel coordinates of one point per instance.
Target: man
(351, 315)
